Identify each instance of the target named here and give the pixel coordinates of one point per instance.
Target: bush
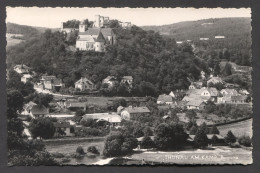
(147, 142)
(245, 140)
(93, 149)
(80, 150)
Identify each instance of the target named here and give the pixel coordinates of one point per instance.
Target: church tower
(82, 27)
(100, 43)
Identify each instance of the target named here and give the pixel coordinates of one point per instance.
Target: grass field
(12, 41)
(70, 148)
(238, 129)
(219, 155)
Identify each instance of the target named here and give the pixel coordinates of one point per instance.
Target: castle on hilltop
(97, 37)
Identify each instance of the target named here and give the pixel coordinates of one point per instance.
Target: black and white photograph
(128, 86)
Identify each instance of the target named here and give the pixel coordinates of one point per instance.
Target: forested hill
(156, 63)
(27, 31)
(207, 28)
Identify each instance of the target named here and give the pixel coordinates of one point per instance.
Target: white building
(26, 78)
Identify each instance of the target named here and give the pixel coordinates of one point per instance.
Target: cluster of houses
(23, 70)
(52, 83)
(197, 96)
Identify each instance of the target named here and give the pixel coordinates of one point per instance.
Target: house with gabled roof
(165, 99)
(111, 117)
(130, 113)
(51, 82)
(109, 81)
(62, 129)
(21, 68)
(198, 104)
(215, 80)
(84, 84)
(38, 111)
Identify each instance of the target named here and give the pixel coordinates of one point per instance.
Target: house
(198, 104)
(38, 111)
(244, 92)
(62, 129)
(51, 83)
(21, 69)
(215, 80)
(26, 78)
(130, 113)
(110, 81)
(112, 118)
(202, 75)
(127, 79)
(84, 84)
(239, 99)
(76, 105)
(125, 24)
(219, 37)
(209, 93)
(229, 92)
(204, 38)
(172, 94)
(195, 85)
(165, 99)
(27, 107)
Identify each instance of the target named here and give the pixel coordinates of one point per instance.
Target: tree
(191, 114)
(15, 102)
(227, 71)
(193, 130)
(93, 149)
(214, 139)
(201, 139)
(147, 131)
(210, 107)
(214, 130)
(168, 136)
(42, 127)
(230, 137)
(147, 142)
(80, 150)
(117, 144)
(43, 99)
(245, 140)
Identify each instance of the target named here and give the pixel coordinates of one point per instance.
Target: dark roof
(238, 98)
(164, 98)
(95, 31)
(48, 78)
(39, 110)
(61, 124)
(137, 109)
(100, 37)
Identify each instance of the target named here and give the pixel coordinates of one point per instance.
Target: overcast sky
(52, 17)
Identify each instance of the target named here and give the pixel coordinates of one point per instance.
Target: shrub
(245, 140)
(147, 142)
(80, 150)
(93, 149)
(230, 138)
(214, 130)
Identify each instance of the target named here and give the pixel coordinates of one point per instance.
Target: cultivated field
(238, 129)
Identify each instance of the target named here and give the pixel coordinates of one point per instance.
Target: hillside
(236, 44)
(207, 28)
(25, 30)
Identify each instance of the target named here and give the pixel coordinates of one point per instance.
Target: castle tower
(100, 43)
(97, 21)
(82, 27)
